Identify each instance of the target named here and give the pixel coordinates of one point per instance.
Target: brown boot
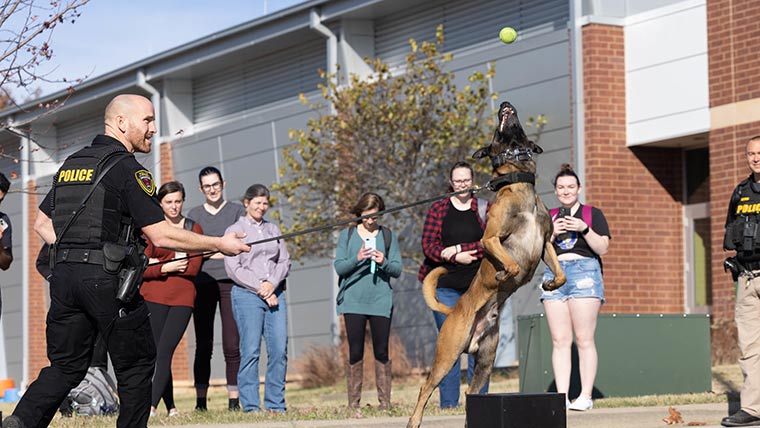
(383, 381)
(354, 378)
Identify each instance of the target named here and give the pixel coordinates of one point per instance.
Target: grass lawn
(330, 402)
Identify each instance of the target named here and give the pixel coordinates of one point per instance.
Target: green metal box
(639, 354)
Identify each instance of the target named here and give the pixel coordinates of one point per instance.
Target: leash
(473, 190)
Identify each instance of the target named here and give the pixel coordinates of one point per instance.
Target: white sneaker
(567, 403)
(581, 404)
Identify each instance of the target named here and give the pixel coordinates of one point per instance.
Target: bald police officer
(85, 279)
(743, 235)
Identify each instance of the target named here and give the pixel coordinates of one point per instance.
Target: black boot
(12, 422)
(234, 405)
(200, 404)
(740, 419)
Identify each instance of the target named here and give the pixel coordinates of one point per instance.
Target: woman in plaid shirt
(451, 238)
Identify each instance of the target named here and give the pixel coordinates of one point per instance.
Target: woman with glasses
(259, 304)
(214, 286)
(451, 238)
(365, 295)
(170, 294)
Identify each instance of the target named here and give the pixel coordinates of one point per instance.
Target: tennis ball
(507, 34)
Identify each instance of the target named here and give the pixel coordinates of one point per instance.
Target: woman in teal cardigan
(366, 295)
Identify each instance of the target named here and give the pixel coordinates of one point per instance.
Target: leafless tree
(26, 31)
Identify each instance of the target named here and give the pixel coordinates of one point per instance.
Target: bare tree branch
(27, 40)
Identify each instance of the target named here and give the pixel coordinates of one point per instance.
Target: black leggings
(169, 324)
(355, 328)
(209, 292)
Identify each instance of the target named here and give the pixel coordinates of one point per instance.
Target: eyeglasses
(460, 182)
(207, 187)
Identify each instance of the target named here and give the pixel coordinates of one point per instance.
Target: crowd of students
(249, 288)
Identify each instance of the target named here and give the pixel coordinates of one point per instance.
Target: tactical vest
(101, 220)
(743, 234)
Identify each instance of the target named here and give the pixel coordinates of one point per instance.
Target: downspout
(579, 111)
(315, 23)
(25, 257)
(155, 98)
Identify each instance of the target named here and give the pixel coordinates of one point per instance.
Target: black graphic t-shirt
(575, 242)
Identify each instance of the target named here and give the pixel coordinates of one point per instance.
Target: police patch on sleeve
(145, 180)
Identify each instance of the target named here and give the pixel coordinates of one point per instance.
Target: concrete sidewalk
(623, 417)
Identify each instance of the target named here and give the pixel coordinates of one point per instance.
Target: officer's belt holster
(79, 255)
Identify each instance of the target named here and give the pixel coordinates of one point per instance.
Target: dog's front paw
(552, 284)
(501, 276)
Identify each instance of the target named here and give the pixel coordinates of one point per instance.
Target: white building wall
(667, 72)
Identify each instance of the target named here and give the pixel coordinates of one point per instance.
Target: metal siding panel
(259, 81)
(465, 23)
(74, 134)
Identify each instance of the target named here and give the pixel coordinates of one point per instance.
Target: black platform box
(525, 410)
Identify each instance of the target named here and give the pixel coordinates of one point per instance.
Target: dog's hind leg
(551, 260)
(484, 360)
(452, 340)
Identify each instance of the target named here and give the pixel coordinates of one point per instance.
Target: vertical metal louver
(465, 23)
(259, 81)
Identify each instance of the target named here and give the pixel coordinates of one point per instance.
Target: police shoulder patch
(145, 180)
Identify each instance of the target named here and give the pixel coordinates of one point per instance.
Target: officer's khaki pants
(748, 325)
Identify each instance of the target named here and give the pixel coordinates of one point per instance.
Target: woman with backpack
(366, 259)
(581, 236)
(169, 292)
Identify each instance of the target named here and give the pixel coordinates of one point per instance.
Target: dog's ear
(535, 147)
(481, 153)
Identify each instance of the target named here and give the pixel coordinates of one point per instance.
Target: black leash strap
(498, 182)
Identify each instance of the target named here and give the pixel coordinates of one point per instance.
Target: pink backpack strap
(554, 212)
(586, 214)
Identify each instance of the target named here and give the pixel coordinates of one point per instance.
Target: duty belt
(755, 265)
(79, 255)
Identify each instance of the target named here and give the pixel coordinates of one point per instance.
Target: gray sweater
(215, 225)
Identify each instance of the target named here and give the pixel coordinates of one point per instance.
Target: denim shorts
(584, 280)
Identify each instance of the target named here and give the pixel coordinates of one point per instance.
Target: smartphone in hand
(370, 243)
(563, 212)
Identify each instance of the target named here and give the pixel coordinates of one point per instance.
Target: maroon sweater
(171, 289)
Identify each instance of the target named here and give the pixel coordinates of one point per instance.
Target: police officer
(6, 231)
(84, 285)
(742, 226)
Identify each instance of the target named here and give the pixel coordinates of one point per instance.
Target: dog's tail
(429, 285)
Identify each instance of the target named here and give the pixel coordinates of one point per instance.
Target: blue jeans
(255, 318)
(449, 386)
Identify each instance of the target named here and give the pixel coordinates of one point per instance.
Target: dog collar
(520, 155)
(511, 178)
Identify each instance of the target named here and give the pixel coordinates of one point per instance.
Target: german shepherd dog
(517, 236)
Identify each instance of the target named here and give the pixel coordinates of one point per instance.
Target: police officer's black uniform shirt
(745, 201)
(129, 179)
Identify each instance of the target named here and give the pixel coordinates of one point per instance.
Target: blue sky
(110, 34)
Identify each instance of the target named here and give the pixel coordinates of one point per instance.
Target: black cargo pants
(83, 303)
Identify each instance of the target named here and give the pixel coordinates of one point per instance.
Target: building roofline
(126, 72)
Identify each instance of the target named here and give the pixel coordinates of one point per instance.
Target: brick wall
(637, 189)
(733, 30)
(38, 302)
(181, 361)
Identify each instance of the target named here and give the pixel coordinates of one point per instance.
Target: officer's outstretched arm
(164, 235)
(43, 225)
